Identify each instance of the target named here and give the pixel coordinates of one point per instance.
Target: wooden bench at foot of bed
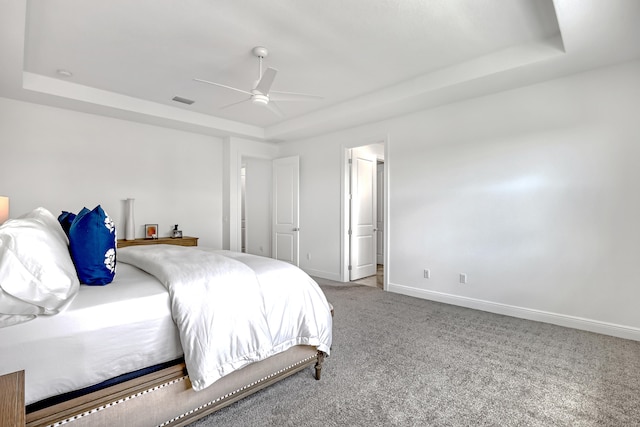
(165, 398)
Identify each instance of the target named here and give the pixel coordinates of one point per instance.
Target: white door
(380, 213)
(286, 227)
(362, 231)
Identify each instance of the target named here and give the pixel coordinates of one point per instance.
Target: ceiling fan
(261, 94)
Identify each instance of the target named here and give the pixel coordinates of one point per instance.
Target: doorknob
(296, 229)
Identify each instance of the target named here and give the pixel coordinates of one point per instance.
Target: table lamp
(4, 209)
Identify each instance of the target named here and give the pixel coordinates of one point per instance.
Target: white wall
(532, 192)
(320, 216)
(376, 150)
(65, 160)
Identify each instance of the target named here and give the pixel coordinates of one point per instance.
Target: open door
(286, 227)
(363, 229)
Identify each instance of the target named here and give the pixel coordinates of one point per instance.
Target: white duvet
(232, 309)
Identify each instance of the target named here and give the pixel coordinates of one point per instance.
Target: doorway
(255, 206)
(364, 215)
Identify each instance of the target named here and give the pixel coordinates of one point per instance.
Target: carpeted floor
(402, 361)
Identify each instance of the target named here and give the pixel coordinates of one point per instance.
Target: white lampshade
(4, 209)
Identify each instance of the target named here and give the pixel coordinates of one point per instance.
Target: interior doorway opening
(365, 215)
(255, 205)
(375, 281)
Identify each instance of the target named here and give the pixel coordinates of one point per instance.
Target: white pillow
(50, 222)
(37, 275)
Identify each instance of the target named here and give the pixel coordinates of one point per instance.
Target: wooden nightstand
(12, 412)
(181, 241)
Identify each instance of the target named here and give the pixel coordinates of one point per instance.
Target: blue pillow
(92, 243)
(66, 219)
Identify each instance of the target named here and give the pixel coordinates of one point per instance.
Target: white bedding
(84, 345)
(234, 309)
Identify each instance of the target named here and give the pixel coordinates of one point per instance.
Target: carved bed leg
(321, 356)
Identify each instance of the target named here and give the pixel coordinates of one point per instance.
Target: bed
(152, 347)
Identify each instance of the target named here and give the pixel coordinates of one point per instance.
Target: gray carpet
(402, 361)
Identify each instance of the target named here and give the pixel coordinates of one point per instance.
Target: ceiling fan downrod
(261, 52)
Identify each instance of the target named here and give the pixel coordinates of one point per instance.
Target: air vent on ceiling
(183, 100)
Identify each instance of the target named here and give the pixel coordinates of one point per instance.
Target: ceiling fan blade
(266, 81)
(274, 107)
(292, 96)
(234, 103)
(221, 85)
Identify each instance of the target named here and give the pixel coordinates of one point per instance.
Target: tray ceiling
(368, 60)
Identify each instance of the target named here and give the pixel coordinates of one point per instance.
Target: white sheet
(227, 316)
(83, 345)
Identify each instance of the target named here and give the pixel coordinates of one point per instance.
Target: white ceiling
(368, 59)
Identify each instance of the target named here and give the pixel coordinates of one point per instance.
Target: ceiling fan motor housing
(260, 51)
(259, 99)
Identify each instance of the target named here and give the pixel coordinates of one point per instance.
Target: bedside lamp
(4, 209)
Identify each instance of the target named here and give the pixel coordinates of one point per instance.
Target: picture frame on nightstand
(151, 231)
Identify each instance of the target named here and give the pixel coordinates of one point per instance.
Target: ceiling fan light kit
(260, 94)
(260, 99)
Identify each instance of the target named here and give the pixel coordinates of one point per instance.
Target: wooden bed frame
(165, 398)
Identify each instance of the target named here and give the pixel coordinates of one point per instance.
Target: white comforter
(232, 309)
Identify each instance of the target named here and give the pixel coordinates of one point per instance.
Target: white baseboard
(323, 274)
(599, 327)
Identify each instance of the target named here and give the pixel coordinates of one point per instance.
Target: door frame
(344, 205)
(233, 150)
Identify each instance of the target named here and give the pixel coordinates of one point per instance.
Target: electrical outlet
(309, 256)
(427, 274)
(463, 278)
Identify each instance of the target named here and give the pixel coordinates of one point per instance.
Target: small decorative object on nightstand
(151, 231)
(129, 223)
(175, 233)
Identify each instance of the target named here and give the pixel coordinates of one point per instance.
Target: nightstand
(181, 241)
(12, 411)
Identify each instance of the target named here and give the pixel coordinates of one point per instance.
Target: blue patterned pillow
(66, 219)
(92, 242)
